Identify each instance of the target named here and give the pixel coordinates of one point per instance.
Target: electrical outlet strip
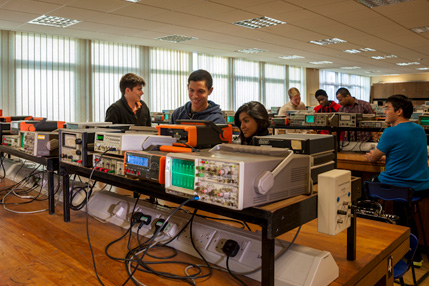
(300, 265)
(357, 146)
(334, 201)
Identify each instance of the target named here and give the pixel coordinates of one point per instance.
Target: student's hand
(369, 155)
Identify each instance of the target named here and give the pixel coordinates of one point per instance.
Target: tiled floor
(420, 272)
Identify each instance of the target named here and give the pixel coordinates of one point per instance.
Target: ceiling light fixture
(321, 63)
(407, 64)
(422, 69)
(383, 57)
(132, 1)
(378, 3)
(260, 22)
(367, 50)
(176, 38)
(421, 29)
(251, 51)
(294, 57)
(328, 41)
(353, 51)
(356, 51)
(350, 68)
(54, 21)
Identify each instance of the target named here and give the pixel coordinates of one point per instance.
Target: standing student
(200, 86)
(252, 119)
(294, 102)
(130, 109)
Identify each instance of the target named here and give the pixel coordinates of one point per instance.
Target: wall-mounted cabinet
(413, 90)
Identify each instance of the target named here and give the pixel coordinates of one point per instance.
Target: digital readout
(139, 161)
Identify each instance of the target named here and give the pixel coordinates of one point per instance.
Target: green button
(111, 171)
(200, 175)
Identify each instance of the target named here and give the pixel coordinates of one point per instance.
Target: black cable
(232, 274)
(2, 157)
(144, 251)
(87, 220)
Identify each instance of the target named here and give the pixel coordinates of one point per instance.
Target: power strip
(300, 265)
(357, 146)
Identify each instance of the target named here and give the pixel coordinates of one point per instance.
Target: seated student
(199, 107)
(130, 109)
(252, 119)
(350, 104)
(325, 105)
(294, 102)
(405, 149)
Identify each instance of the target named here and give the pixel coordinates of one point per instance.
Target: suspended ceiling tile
(76, 13)
(100, 5)
(139, 11)
(172, 5)
(22, 17)
(30, 6)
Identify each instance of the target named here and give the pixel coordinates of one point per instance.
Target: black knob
(78, 141)
(78, 152)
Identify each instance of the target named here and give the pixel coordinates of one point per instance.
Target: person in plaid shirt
(350, 104)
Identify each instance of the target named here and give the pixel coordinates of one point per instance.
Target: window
(169, 71)
(218, 68)
(45, 76)
(359, 86)
(296, 78)
(245, 82)
(275, 85)
(109, 62)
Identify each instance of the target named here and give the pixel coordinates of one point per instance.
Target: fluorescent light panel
(320, 63)
(422, 69)
(383, 57)
(407, 64)
(260, 22)
(357, 51)
(325, 42)
(378, 3)
(350, 68)
(176, 38)
(54, 21)
(421, 29)
(132, 1)
(294, 57)
(251, 51)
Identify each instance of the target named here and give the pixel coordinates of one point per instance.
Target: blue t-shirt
(406, 156)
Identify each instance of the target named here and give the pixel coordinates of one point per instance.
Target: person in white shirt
(294, 102)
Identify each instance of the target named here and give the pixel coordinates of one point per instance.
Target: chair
(387, 192)
(406, 262)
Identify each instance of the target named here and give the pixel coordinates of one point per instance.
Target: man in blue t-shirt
(404, 147)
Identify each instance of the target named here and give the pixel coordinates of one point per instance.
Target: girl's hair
(258, 112)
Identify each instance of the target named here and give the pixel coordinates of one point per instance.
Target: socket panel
(334, 201)
(300, 265)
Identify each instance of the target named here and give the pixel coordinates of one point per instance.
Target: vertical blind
(74, 80)
(218, 67)
(45, 71)
(169, 71)
(109, 62)
(275, 85)
(359, 86)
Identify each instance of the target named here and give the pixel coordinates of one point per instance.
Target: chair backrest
(414, 242)
(388, 192)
